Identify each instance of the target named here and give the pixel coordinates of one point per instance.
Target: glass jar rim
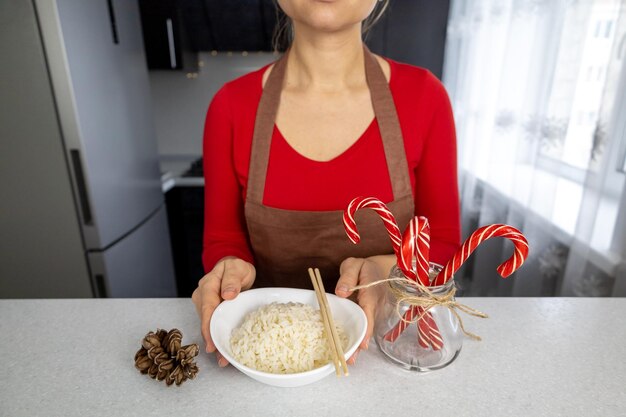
(396, 272)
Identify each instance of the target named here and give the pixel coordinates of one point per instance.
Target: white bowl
(230, 314)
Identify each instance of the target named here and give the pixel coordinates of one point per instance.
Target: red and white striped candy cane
(385, 214)
(487, 232)
(408, 251)
(416, 245)
(397, 330)
(435, 339)
(427, 326)
(428, 334)
(422, 255)
(396, 242)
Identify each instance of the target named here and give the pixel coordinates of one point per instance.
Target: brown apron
(287, 242)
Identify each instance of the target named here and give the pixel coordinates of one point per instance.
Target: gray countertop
(538, 357)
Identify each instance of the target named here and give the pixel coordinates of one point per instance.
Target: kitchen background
(103, 105)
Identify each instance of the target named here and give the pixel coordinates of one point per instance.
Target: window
(536, 93)
(539, 94)
(609, 26)
(576, 146)
(596, 33)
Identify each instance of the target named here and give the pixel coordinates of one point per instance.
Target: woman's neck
(326, 62)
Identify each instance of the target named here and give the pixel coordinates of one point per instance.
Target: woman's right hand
(225, 281)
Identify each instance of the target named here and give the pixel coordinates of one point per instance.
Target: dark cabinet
(414, 32)
(174, 30)
(166, 36)
(411, 31)
(232, 25)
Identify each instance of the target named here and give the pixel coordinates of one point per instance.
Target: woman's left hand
(359, 271)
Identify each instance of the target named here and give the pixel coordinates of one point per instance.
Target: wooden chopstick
(339, 359)
(329, 334)
(331, 322)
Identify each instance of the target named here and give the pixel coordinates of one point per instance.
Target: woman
(288, 146)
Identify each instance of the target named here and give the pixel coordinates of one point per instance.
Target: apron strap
(263, 130)
(389, 125)
(384, 110)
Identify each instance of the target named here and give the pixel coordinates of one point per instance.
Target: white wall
(180, 103)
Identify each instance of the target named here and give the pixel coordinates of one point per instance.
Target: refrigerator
(81, 208)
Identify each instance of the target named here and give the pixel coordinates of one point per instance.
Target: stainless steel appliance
(82, 212)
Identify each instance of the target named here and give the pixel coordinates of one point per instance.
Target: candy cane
(416, 245)
(436, 341)
(397, 330)
(424, 327)
(385, 214)
(404, 262)
(409, 250)
(487, 232)
(427, 322)
(422, 253)
(427, 329)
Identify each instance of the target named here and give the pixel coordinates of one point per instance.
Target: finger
(348, 276)
(238, 274)
(209, 300)
(221, 360)
(352, 359)
(368, 299)
(370, 313)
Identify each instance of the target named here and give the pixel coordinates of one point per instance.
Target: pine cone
(162, 357)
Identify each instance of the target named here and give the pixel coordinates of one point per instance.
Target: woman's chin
(328, 23)
(331, 15)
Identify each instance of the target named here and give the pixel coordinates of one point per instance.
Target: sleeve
(437, 194)
(225, 232)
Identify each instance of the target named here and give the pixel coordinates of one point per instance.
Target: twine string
(426, 299)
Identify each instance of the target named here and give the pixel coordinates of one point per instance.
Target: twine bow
(427, 300)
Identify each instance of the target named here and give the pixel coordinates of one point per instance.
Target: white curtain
(538, 89)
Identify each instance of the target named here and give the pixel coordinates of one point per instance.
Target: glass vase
(402, 345)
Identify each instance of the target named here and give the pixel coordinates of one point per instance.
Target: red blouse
(295, 182)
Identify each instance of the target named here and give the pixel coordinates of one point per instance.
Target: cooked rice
(283, 339)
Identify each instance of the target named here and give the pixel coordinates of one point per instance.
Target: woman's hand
(228, 278)
(359, 271)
